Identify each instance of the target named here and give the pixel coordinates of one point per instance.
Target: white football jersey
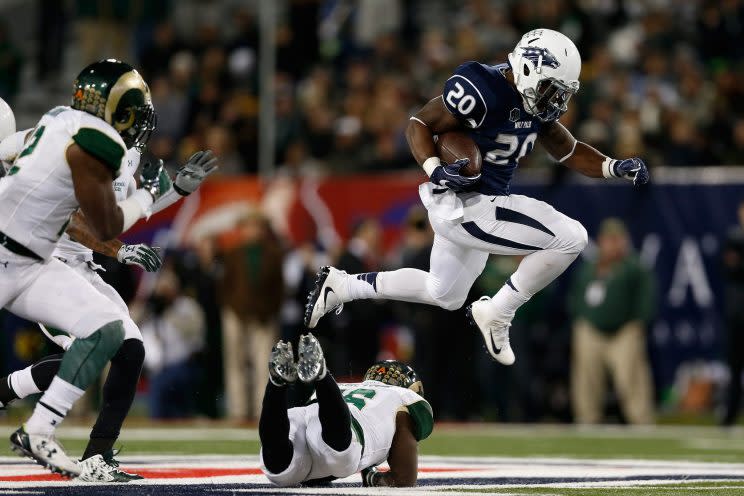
(37, 197)
(124, 185)
(373, 406)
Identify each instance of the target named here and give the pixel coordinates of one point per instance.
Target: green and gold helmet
(395, 373)
(115, 92)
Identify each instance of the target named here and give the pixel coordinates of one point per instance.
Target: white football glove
(142, 255)
(191, 174)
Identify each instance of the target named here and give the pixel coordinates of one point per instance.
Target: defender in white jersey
(68, 162)
(120, 387)
(346, 428)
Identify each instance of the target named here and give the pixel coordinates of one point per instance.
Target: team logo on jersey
(535, 53)
(514, 114)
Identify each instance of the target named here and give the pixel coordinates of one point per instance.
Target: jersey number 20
(502, 156)
(458, 99)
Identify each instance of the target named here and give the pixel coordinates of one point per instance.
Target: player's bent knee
(448, 302)
(574, 238)
(131, 353)
(85, 359)
(131, 331)
(444, 298)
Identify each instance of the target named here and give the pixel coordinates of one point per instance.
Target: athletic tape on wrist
(430, 164)
(607, 167)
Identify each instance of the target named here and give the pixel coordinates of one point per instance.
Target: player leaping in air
(504, 108)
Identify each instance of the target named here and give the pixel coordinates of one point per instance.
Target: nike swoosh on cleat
(325, 295)
(493, 345)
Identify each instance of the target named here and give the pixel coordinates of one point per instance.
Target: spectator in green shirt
(611, 302)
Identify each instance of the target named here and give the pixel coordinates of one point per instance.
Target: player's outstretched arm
(587, 160)
(141, 255)
(403, 458)
(80, 231)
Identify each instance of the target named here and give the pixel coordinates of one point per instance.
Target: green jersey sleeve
(423, 418)
(102, 141)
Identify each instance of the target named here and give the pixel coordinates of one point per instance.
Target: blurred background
(306, 101)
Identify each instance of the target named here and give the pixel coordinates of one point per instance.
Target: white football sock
(22, 383)
(404, 285)
(536, 271)
(53, 407)
(362, 286)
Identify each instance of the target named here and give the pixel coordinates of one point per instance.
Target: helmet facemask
(548, 101)
(136, 125)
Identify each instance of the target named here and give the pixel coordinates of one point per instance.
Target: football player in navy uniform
(505, 109)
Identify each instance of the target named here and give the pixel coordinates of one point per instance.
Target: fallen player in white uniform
(346, 428)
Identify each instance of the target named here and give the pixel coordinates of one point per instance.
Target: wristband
(430, 164)
(135, 207)
(607, 166)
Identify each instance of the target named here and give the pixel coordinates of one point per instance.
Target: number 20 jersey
(491, 110)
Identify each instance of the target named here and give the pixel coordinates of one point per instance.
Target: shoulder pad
(463, 94)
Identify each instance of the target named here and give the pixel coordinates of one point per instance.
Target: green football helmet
(395, 373)
(115, 92)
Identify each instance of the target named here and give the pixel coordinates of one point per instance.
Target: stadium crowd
(664, 77)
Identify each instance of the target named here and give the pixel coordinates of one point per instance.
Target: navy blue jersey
(490, 108)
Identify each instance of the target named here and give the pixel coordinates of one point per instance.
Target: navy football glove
(448, 175)
(632, 169)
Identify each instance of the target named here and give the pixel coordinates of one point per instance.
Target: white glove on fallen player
(142, 255)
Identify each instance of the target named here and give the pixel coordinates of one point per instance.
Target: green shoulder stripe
(100, 146)
(423, 418)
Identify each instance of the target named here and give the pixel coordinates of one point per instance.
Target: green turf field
(709, 444)
(528, 443)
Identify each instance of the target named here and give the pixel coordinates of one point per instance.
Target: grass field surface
(456, 459)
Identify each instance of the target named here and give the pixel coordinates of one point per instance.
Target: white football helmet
(546, 66)
(7, 120)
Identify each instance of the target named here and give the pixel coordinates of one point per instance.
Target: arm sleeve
(423, 418)
(101, 146)
(166, 200)
(463, 97)
(100, 140)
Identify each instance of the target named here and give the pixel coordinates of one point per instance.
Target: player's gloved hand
(368, 476)
(145, 256)
(632, 169)
(155, 179)
(448, 175)
(192, 173)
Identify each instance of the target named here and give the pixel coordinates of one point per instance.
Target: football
(455, 145)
